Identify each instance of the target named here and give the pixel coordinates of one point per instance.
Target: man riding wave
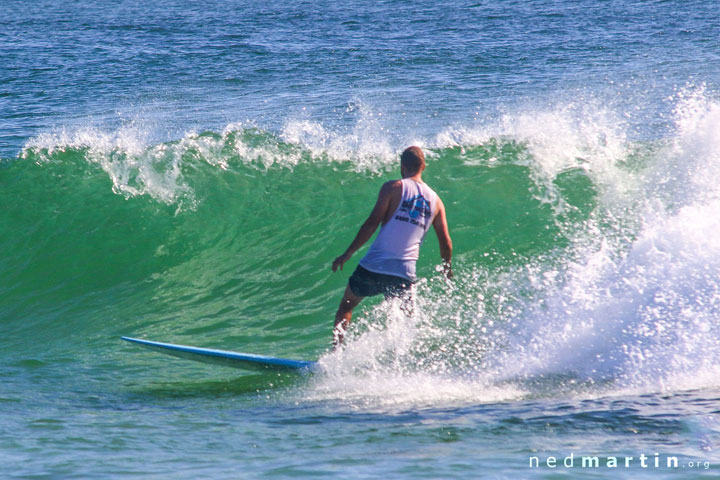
(405, 209)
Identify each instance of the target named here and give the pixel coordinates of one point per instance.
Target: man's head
(412, 161)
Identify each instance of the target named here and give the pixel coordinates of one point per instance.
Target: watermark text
(655, 460)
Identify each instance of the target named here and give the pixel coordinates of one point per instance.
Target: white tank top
(397, 247)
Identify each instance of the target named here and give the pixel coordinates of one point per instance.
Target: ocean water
(187, 171)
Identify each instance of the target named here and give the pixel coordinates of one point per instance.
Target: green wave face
(225, 240)
(232, 234)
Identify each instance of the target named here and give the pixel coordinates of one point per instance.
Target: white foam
(385, 389)
(366, 144)
(392, 361)
(579, 135)
(134, 168)
(632, 306)
(138, 168)
(642, 312)
(687, 168)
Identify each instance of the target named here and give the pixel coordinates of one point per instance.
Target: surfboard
(245, 361)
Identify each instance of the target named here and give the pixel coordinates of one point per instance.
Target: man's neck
(417, 177)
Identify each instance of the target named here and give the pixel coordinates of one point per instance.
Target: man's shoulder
(393, 183)
(391, 186)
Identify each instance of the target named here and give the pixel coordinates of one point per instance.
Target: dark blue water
(424, 66)
(186, 171)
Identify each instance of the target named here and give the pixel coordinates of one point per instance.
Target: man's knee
(349, 300)
(404, 298)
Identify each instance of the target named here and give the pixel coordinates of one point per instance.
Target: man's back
(397, 246)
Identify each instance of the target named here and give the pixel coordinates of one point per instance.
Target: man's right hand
(447, 270)
(340, 261)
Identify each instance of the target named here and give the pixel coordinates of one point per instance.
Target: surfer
(406, 209)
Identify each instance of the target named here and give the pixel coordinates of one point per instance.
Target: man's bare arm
(368, 228)
(441, 229)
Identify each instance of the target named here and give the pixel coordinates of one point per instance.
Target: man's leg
(344, 315)
(405, 294)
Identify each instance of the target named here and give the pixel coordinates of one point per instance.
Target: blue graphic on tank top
(417, 209)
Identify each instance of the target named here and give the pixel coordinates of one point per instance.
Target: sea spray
(575, 262)
(628, 304)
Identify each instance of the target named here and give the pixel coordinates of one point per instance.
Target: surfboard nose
(245, 361)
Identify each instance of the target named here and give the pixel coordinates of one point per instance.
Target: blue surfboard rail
(245, 361)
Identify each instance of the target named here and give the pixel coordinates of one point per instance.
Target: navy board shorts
(365, 283)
